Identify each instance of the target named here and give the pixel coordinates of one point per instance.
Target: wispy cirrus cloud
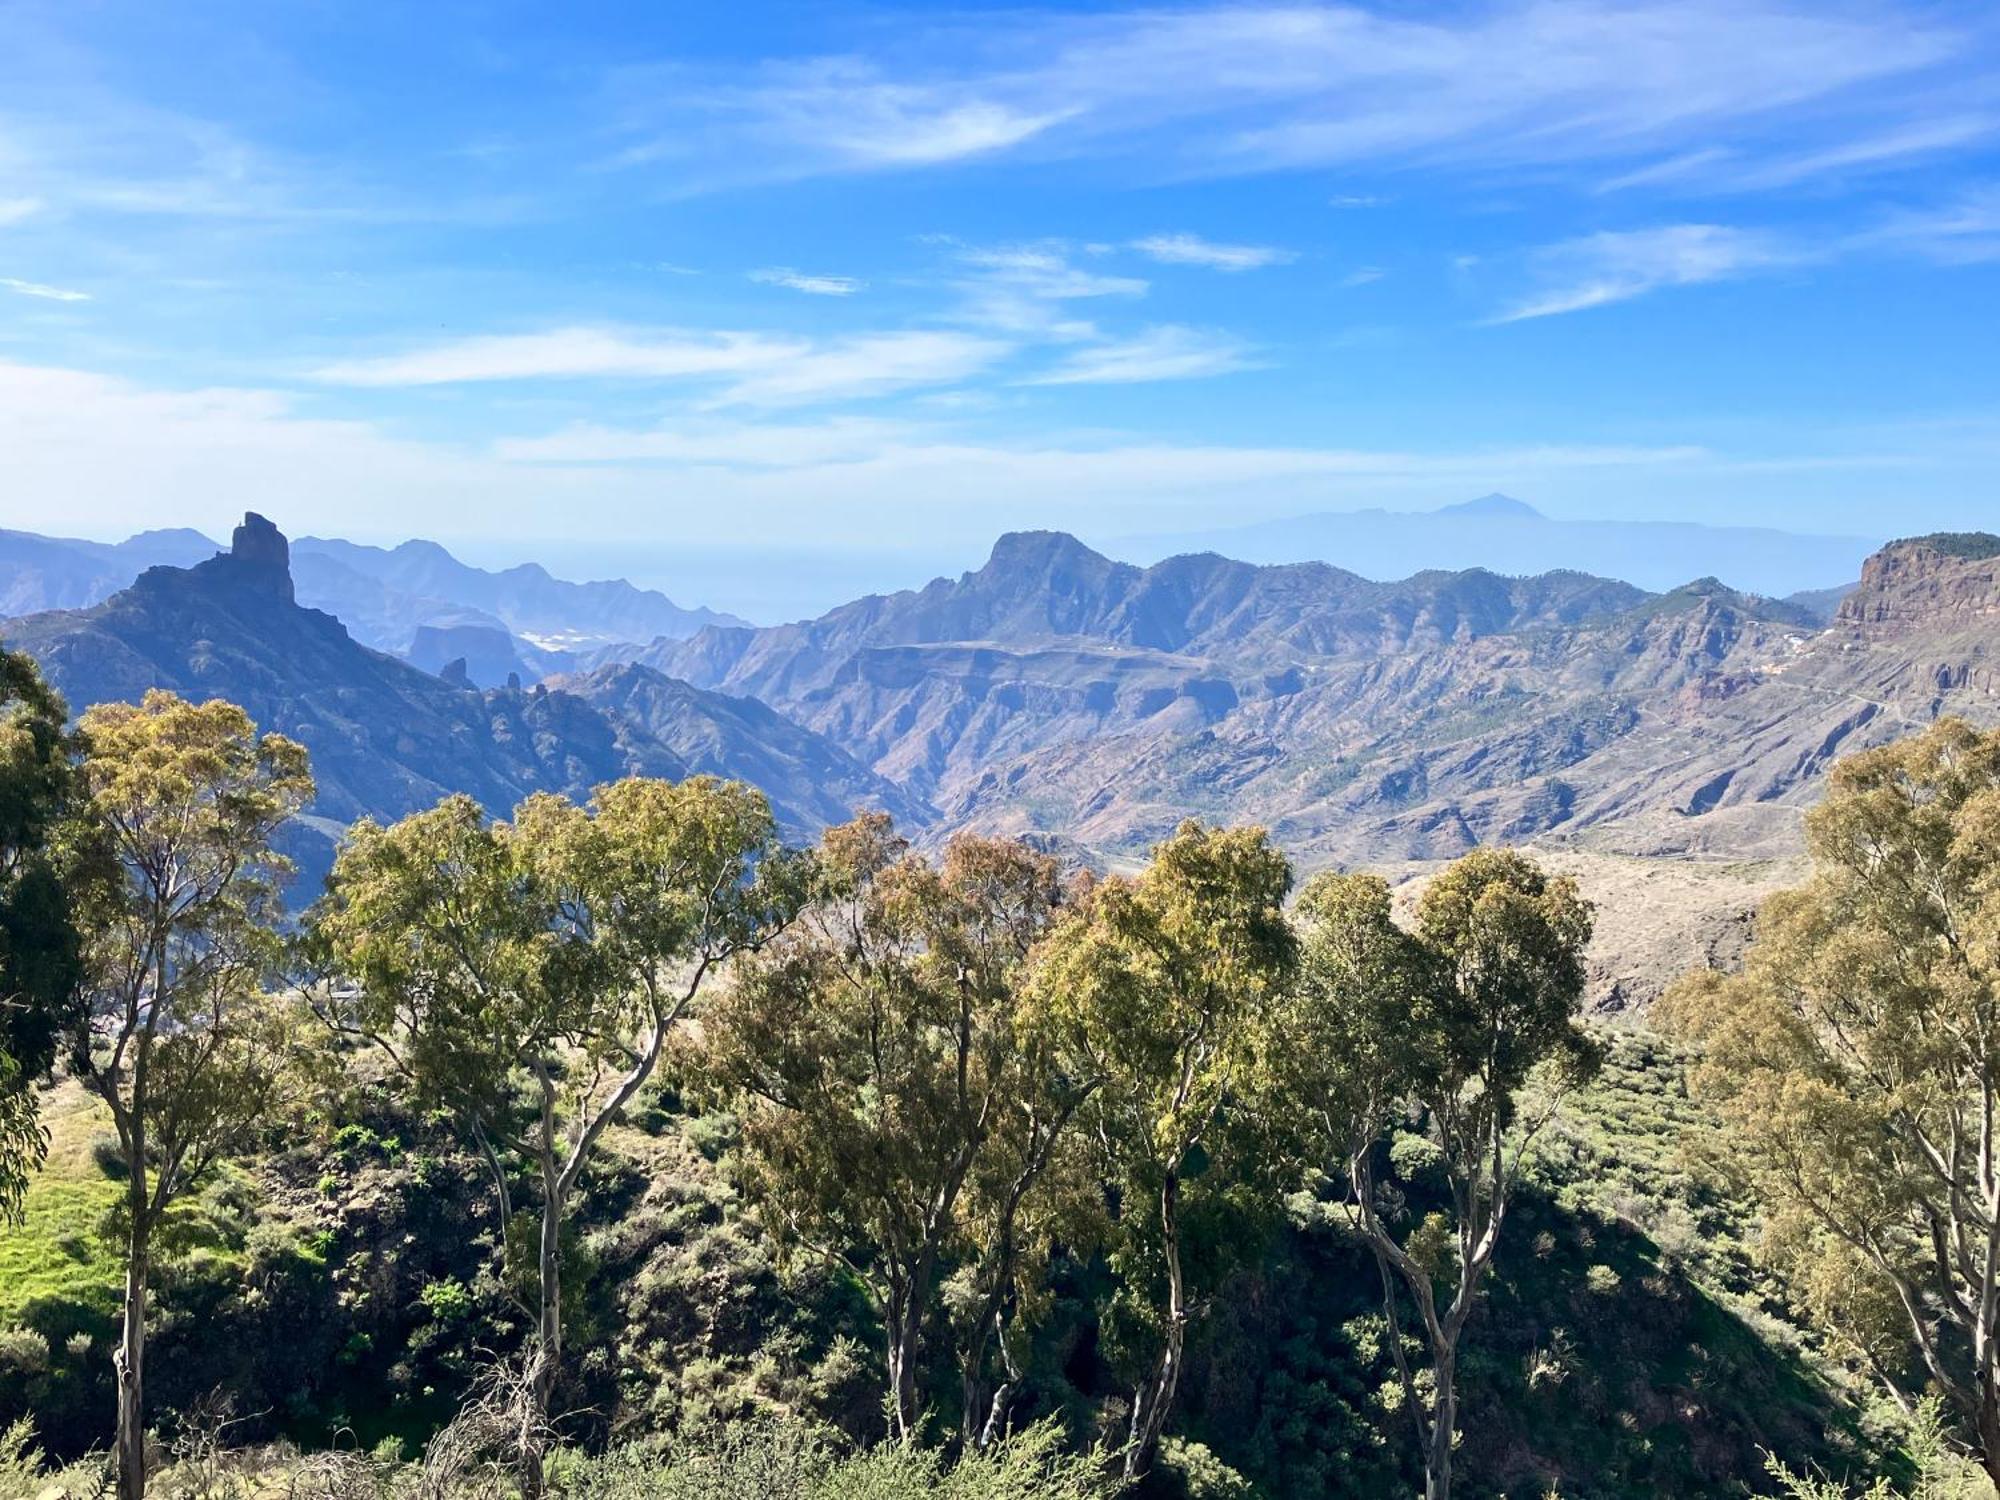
(800, 281)
(1167, 352)
(1717, 169)
(1962, 231)
(568, 354)
(1193, 250)
(1025, 291)
(1225, 89)
(42, 290)
(742, 368)
(1615, 266)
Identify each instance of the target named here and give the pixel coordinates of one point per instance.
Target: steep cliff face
(1949, 581)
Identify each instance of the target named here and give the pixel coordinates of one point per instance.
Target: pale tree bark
(1155, 1398)
(1479, 1199)
(129, 1362)
(983, 1420)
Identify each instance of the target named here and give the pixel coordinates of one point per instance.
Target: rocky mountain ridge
(385, 737)
(389, 598)
(1058, 692)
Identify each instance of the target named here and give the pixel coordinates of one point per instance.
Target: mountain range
(387, 738)
(1511, 536)
(1054, 690)
(415, 600)
(1092, 704)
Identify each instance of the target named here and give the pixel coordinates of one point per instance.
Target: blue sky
(655, 289)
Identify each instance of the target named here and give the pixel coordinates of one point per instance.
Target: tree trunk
(985, 1419)
(129, 1361)
(1152, 1402)
(1988, 1425)
(901, 1327)
(1444, 1422)
(972, 1394)
(976, 1418)
(547, 1359)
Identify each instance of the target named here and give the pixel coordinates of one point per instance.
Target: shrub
(785, 1460)
(23, 1350)
(1189, 1471)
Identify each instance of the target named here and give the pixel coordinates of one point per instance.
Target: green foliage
(1157, 986)
(174, 1028)
(1856, 1062)
(1190, 1471)
(901, 1106)
(1939, 1472)
(784, 1461)
(553, 955)
(1452, 1024)
(447, 1300)
(40, 947)
(1972, 545)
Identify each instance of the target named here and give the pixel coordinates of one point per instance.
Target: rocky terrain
(1662, 745)
(394, 599)
(385, 737)
(1055, 690)
(49, 572)
(420, 583)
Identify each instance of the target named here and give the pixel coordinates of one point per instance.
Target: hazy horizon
(771, 585)
(879, 276)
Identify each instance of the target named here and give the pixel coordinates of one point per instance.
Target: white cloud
(1192, 250)
(1228, 88)
(1021, 290)
(799, 281)
(1965, 231)
(1167, 352)
(1720, 170)
(869, 365)
(752, 368)
(1616, 266)
(1362, 275)
(201, 457)
(39, 289)
(764, 445)
(17, 210)
(568, 353)
(1044, 271)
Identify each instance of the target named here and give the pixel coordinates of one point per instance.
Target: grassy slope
(56, 1252)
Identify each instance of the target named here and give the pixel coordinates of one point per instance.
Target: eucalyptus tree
(527, 975)
(40, 947)
(1464, 1026)
(1158, 985)
(1855, 1060)
(173, 1027)
(897, 1111)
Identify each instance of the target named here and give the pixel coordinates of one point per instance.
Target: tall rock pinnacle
(262, 555)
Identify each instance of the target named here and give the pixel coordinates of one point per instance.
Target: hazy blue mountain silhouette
(1510, 536)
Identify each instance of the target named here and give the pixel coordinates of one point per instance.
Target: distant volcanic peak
(1495, 506)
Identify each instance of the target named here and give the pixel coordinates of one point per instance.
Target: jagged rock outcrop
(1948, 581)
(385, 738)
